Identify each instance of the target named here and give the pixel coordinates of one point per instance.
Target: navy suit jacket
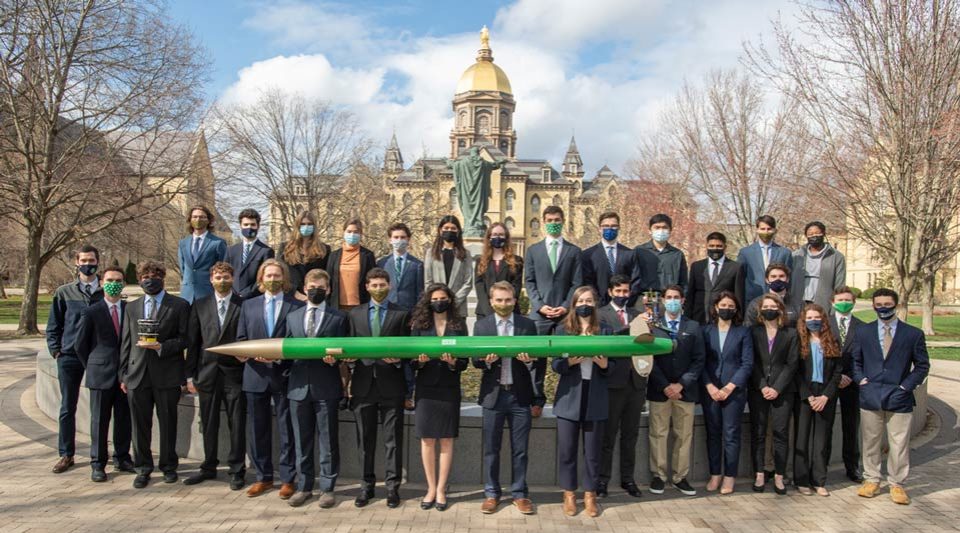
(258, 377)
(195, 274)
(546, 287)
(245, 274)
(312, 379)
(890, 382)
(596, 271)
(522, 375)
(566, 404)
(751, 257)
(734, 364)
(684, 365)
(404, 292)
(98, 345)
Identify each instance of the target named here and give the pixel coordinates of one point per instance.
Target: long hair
(283, 268)
(571, 323)
(300, 249)
(715, 317)
(459, 250)
(422, 317)
(828, 343)
(487, 255)
(782, 320)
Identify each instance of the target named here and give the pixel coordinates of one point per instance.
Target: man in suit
(198, 252)
(671, 263)
(315, 393)
(710, 276)
(265, 317)
(151, 373)
(889, 362)
(246, 256)
(216, 379)
(98, 348)
(756, 257)
(406, 271)
(378, 387)
(69, 300)
(672, 393)
(609, 257)
(506, 395)
(818, 268)
(628, 390)
(844, 323)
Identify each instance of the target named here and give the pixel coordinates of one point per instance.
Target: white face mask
(661, 235)
(399, 244)
(352, 239)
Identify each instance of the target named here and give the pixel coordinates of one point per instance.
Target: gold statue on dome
(485, 37)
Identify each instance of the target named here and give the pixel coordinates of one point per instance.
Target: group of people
(773, 330)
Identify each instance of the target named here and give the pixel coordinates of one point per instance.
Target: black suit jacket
(245, 274)
(684, 365)
(389, 378)
(312, 379)
(832, 368)
(367, 262)
(204, 332)
(140, 367)
(622, 373)
(299, 270)
(596, 270)
(435, 379)
(522, 375)
(700, 291)
(775, 368)
(98, 345)
(485, 280)
(847, 348)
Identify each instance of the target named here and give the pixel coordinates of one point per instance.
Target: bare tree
(88, 90)
(880, 83)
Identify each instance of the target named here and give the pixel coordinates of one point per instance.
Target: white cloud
(309, 75)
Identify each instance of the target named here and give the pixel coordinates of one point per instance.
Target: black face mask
(316, 296)
(448, 236)
(249, 232)
(715, 254)
(778, 285)
(621, 301)
(87, 270)
(498, 242)
(770, 314)
(815, 241)
(726, 313)
(440, 306)
(584, 311)
(152, 286)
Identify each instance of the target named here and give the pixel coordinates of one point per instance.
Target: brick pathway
(33, 499)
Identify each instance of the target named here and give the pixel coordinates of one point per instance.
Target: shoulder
(204, 300)
(257, 301)
(590, 249)
(909, 329)
(62, 290)
(572, 246)
(521, 320)
(539, 245)
(91, 309)
(214, 238)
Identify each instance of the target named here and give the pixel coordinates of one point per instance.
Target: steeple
(393, 159)
(572, 164)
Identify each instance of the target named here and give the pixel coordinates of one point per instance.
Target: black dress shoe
(425, 505)
(632, 489)
(602, 490)
(141, 481)
(442, 506)
(170, 477)
(363, 498)
(758, 488)
(98, 475)
(393, 500)
(236, 481)
(781, 492)
(855, 475)
(124, 465)
(199, 477)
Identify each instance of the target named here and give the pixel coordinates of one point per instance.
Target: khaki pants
(661, 415)
(873, 425)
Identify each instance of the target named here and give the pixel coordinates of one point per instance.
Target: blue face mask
(885, 313)
(661, 235)
(249, 232)
(352, 239)
(814, 325)
(610, 234)
(306, 230)
(672, 306)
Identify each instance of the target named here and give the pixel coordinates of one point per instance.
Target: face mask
(87, 270)
(448, 236)
(379, 295)
(815, 241)
(610, 234)
(778, 285)
(113, 288)
(715, 254)
(843, 307)
(885, 313)
(661, 235)
(584, 311)
(554, 228)
(770, 314)
(249, 232)
(498, 242)
(440, 306)
(672, 306)
(726, 313)
(316, 295)
(306, 230)
(503, 310)
(273, 286)
(765, 236)
(352, 239)
(152, 286)
(400, 244)
(199, 224)
(814, 325)
(621, 301)
(222, 287)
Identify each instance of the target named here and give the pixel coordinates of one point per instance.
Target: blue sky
(605, 69)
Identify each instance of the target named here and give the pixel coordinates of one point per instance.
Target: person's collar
(762, 244)
(382, 305)
(672, 318)
(202, 235)
(617, 308)
(322, 306)
(219, 298)
(402, 254)
(157, 297)
(721, 260)
(106, 300)
(508, 318)
(607, 244)
(250, 241)
(268, 295)
(96, 281)
(551, 238)
(892, 322)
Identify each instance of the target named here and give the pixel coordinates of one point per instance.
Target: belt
(506, 387)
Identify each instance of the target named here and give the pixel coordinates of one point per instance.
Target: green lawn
(10, 309)
(947, 327)
(952, 354)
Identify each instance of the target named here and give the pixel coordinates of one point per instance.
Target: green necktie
(553, 254)
(375, 327)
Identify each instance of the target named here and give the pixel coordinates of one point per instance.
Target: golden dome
(484, 75)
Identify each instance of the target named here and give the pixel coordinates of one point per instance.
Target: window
(486, 222)
(534, 228)
(407, 200)
(557, 200)
(504, 147)
(509, 198)
(509, 223)
(504, 120)
(453, 199)
(428, 200)
(535, 204)
(587, 217)
(483, 124)
(546, 174)
(464, 120)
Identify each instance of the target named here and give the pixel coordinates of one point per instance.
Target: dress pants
(626, 404)
(777, 413)
(226, 392)
(568, 439)
(519, 419)
(873, 425)
(69, 374)
(676, 417)
(313, 421)
(722, 421)
(812, 450)
(260, 416)
(369, 412)
(143, 401)
(103, 403)
(849, 398)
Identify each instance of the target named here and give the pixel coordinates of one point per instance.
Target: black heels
(758, 488)
(425, 505)
(778, 490)
(442, 506)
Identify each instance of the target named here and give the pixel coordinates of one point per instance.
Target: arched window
(534, 228)
(428, 200)
(486, 222)
(407, 200)
(587, 218)
(464, 120)
(483, 124)
(557, 200)
(453, 198)
(509, 223)
(504, 120)
(509, 198)
(535, 204)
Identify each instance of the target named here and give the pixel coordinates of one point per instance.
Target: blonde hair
(283, 268)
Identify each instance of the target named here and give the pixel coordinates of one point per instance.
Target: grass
(10, 309)
(947, 326)
(950, 354)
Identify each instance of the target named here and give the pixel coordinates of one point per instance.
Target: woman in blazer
(449, 263)
(348, 267)
(820, 369)
(497, 263)
(772, 388)
(581, 404)
(303, 252)
(437, 410)
(725, 376)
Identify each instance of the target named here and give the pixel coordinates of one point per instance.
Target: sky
(603, 70)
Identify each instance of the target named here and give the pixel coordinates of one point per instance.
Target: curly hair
(486, 256)
(828, 343)
(422, 316)
(782, 319)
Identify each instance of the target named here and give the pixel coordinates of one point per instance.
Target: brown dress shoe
(569, 503)
(489, 505)
(63, 464)
(524, 505)
(259, 488)
(899, 496)
(287, 490)
(590, 504)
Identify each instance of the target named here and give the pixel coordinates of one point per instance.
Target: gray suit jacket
(546, 287)
(461, 277)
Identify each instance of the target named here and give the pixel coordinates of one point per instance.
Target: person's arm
(856, 353)
(560, 366)
(54, 331)
(589, 274)
(840, 276)
(221, 250)
(921, 365)
(421, 285)
(688, 297)
(530, 281)
(703, 377)
(428, 270)
(84, 341)
(466, 279)
(831, 383)
(126, 345)
(194, 344)
(180, 260)
(516, 279)
(742, 375)
(804, 382)
(697, 362)
(789, 370)
(577, 280)
(682, 277)
(174, 346)
(636, 278)
(739, 283)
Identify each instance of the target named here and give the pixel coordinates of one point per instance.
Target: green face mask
(113, 288)
(843, 307)
(554, 228)
(273, 286)
(379, 295)
(503, 310)
(222, 287)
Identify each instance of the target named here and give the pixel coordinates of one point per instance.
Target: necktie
(399, 263)
(622, 316)
(87, 289)
(843, 330)
(887, 340)
(312, 322)
(673, 328)
(375, 327)
(506, 374)
(246, 253)
(715, 273)
(150, 307)
(271, 316)
(612, 261)
(553, 255)
(222, 311)
(116, 319)
(196, 247)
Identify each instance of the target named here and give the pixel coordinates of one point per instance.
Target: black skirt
(437, 419)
